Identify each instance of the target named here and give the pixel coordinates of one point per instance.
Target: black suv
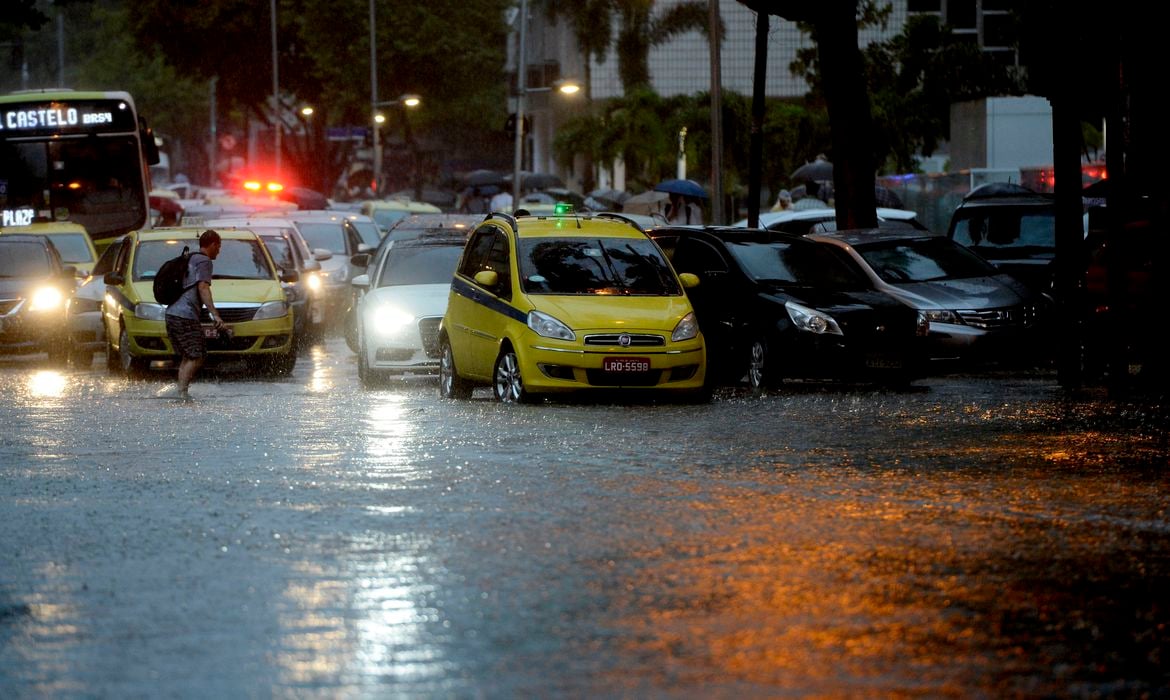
(776, 306)
(1013, 227)
(35, 287)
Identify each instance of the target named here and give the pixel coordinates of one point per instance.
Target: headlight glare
(548, 326)
(46, 299)
(390, 318)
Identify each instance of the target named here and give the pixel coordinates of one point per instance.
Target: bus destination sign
(64, 117)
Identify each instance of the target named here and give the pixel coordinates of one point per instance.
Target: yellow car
(247, 291)
(543, 305)
(71, 239)
(385, 212)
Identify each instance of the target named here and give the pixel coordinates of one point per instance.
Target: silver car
(975, 311)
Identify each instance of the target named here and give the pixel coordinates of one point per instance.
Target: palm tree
(641, 31)
(592, 23)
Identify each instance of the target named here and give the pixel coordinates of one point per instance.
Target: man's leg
(187, 369)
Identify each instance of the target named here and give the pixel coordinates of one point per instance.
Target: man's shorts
(186, 336)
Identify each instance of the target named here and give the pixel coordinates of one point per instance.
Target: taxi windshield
(589, 266)
(238, 259)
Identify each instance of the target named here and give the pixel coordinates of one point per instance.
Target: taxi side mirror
(113, 278)
(487, 278)
(289, 276)
(689, 280)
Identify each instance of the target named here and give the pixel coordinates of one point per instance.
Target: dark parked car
(1012, 227)
(35, 287)
(777, 306)
(975, 312)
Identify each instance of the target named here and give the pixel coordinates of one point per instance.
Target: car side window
(499, 259)
(474, 260)
(700, 258)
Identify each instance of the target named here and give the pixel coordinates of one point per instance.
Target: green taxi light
(562, 208)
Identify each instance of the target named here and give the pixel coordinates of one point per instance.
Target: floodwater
(976, 536)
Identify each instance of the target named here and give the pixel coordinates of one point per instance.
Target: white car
(802, 221)
(401, 301)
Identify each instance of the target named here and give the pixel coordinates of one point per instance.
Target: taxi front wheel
(508, 384)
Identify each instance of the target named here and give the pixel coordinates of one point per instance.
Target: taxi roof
(575, 225)
(42, 227)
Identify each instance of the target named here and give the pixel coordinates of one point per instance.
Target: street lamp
(407, 101)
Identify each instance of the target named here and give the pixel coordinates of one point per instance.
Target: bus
(75, 156)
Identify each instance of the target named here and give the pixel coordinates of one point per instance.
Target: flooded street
(977, 536)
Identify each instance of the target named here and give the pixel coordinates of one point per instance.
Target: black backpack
(168, 281)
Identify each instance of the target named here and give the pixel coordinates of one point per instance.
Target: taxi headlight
(46, 299)
(686, 328)
(811, 320)
(271, 309)
(548, 326)
(149, 311)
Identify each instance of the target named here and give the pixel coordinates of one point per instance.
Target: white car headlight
(388, 318)
(548, 326)
(46, 299)
(687, 328)
(811, 320)
(271, 309)
(150, 311)
(313, 281)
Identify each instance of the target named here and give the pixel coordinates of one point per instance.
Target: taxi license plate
(210, 332)
(626, 364)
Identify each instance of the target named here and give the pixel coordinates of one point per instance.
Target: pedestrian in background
(683, 210)
(502, 201)
(783, 201)
(812, 197)
(183, 325)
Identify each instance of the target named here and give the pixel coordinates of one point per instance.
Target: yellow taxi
(246, 286)
(544, 305)
(386, 212)
(71, 240)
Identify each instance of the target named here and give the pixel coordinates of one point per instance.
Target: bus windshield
(76, 157)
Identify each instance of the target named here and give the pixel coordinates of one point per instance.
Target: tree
(450, 53)
(592, 23)
(640, 30)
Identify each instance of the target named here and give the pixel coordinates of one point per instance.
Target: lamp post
(407, 101)
(564, 86)
(275, 89)
(377, 139)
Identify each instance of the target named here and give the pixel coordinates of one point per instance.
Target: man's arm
(205, 296)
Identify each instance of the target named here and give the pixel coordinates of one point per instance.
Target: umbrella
(647, 203)
(539, 181)
(609, 198)
(817, 171)
(476, 178)
(687, 188)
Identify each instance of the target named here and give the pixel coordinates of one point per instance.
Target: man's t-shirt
(188, 305)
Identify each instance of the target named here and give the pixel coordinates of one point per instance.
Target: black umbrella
(540, 181)
(820, 170)
(476, 178)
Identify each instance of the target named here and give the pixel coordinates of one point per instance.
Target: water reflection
(46, 383)
(321, 374)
